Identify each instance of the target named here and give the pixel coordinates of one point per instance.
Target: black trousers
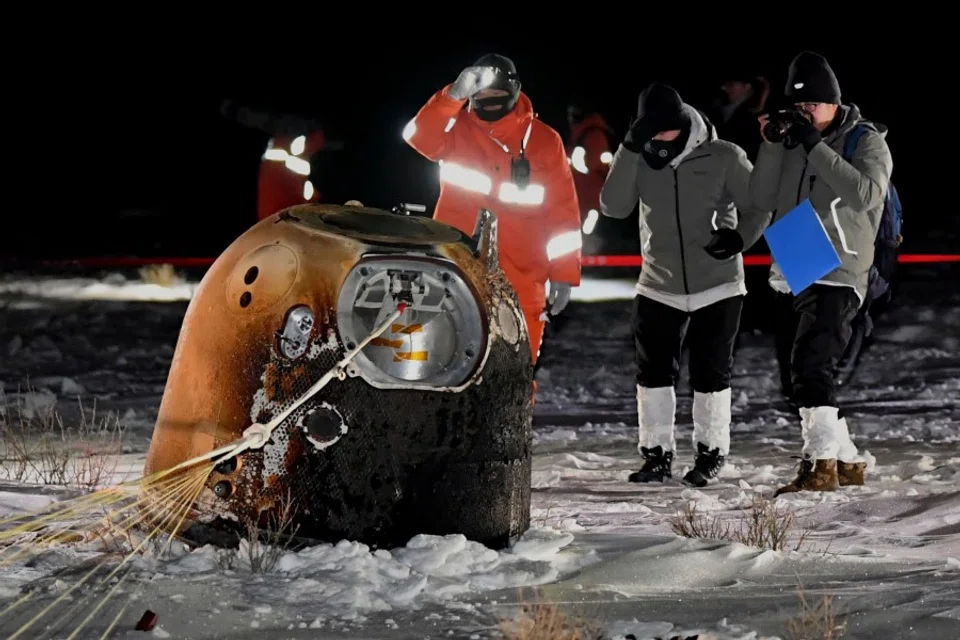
(811, 334)
(659, 330)
(878, 294)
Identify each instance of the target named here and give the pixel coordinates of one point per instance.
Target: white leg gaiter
(711, 420)
(819, 426)
(847, 451)
(656, 411)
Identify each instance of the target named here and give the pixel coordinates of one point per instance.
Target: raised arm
(429, 131)
(621, 192)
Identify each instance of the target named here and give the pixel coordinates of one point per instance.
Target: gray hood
(701, 131)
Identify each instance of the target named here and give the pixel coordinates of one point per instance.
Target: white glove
(470, 81)
(559, 297)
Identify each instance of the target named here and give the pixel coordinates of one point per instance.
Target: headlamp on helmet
(505, 79)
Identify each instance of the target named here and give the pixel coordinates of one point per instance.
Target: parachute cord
(257, 435)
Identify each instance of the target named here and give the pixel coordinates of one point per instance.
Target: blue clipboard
(801, 246)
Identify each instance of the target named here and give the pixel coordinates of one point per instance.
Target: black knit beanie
(661, 106)
(811, 79)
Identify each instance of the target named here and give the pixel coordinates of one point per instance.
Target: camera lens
(775, 131)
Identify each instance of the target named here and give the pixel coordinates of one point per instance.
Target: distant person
(814, 327)
(742, 98)
(589, 149)
(690, 186)
(285, 168)
(495, 154)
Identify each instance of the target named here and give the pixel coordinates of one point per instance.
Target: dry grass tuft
(261, 549)
(36, 446)
(815, 622)
(546, 621)
(163, 275)
(763, 525)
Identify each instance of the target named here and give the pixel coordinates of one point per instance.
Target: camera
(520, 171)
(777, 129)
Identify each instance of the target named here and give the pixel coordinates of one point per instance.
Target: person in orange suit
(590, 158)
(285, 173)
(285, 178)
(495, 154)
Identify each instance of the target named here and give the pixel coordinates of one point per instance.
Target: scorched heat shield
(426, 430)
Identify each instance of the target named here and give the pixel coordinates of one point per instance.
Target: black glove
(806, 134)
(724, 244)
(638, 135)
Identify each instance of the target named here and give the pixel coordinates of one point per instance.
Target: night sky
(152, 168)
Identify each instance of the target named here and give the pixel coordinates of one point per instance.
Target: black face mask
(506, 104)
(659, 153)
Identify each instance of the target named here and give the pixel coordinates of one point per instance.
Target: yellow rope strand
(184, 509)
(197, 476)
(158, 505)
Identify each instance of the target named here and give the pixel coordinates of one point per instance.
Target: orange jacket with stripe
(285, 178)
(539, 226)
(590, 158)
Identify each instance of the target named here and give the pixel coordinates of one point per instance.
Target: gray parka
(848, 196)
(681, 205)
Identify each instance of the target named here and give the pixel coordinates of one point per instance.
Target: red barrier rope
(760, 260)
(588, 261)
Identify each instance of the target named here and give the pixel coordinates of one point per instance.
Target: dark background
(145, 164)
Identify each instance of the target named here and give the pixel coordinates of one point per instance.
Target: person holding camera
(802, 158)
(495, 154)
(690, 186)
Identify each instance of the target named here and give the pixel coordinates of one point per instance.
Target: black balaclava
(660, 153)
(810, 79)
(507, 80)
(661, 109)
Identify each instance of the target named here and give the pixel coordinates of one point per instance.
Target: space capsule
(425, 430)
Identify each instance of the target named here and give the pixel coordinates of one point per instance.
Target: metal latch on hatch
(407, 286)
(403, 286)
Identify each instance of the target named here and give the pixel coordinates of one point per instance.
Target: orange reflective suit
(590, 158)
(539, 226)
(285, 173)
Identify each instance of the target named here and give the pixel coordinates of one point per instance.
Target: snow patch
(349, 578)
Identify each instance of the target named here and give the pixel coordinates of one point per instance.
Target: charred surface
(376, 465)
(396, 474)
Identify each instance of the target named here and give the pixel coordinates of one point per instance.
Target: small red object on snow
(147, 622)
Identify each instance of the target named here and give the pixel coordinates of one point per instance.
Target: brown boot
(810, 477)
(851, 473)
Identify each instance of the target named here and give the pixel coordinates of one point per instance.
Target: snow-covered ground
(888, 553)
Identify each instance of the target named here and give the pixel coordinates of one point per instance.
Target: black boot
(656, 465)
(706, 465)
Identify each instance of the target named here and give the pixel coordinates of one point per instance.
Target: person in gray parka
(690, 186)
(814, 326)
